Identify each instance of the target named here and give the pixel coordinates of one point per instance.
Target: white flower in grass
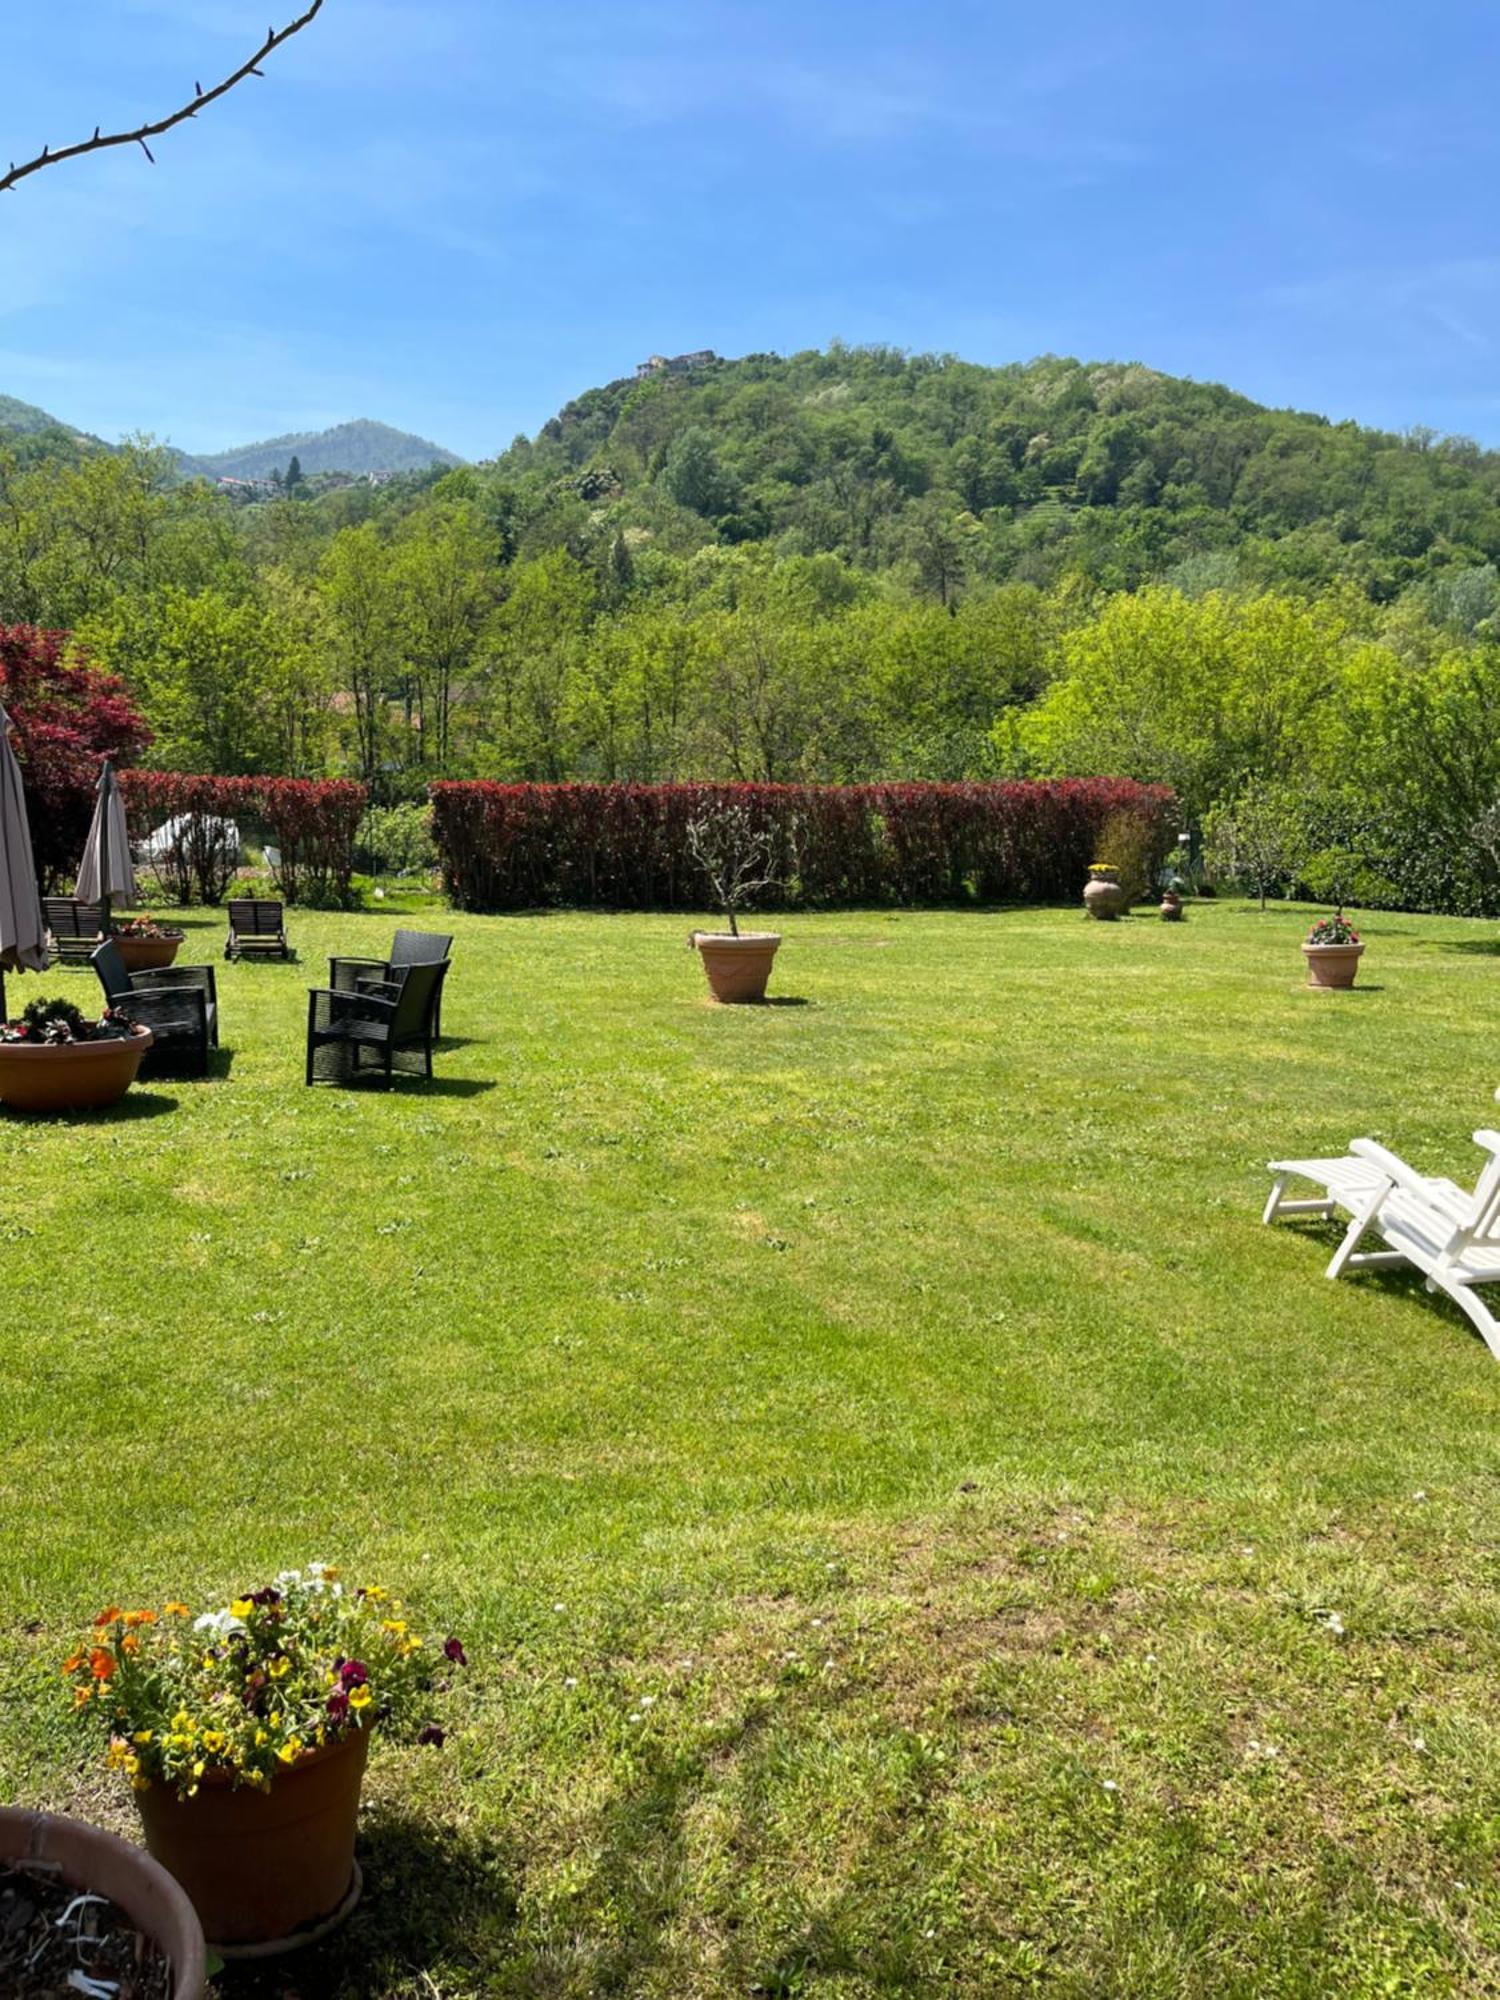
(220, 1623)
(559, 1607)
(634, 1715)
(1110, 1785)
(571, 1681)
(648, 1701)
(1419, 1494)
(1419, 1744)
(1332, 1622)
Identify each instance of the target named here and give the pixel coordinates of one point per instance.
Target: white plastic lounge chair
(1451, 1237)
(1349, 1182)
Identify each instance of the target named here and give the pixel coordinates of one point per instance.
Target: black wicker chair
(349, 975)
(178, 1003)
(376, 1027)
(76, 928)
(257, 929)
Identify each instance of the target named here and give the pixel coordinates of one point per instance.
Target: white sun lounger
(1450, 1236)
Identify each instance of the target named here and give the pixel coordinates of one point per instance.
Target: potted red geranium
(146, 946)
(1333, 950)
(53, 1059)
(244, 1733)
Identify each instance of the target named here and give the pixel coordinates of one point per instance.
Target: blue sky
(455, 214)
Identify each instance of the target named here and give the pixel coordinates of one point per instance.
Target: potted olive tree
(736, 857)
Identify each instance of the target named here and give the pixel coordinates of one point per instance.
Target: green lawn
(895, 1493)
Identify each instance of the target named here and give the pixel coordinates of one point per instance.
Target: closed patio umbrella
(105, 875)
(23, 935)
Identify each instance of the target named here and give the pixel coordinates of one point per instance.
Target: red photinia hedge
(68, 715)
(513, 847)
(309, 822)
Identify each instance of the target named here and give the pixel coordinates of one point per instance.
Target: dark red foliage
(513, 847)
(310, 822)
(68, 716)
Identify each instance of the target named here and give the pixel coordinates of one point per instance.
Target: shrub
(67, 715)
(310, 822)
(511, 847)
(397, 840)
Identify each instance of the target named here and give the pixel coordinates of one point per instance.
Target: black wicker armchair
(378, 1027)
(349, 975)
(178, 1003)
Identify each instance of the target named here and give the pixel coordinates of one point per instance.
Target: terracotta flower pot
(1171, 908)
(103, 1865)
(1104, 898)
(1332, 965)
(266, 1871)
(737, 967)
(71, 1076)
(147, 954)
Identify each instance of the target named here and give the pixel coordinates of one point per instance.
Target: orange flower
(101, 1663)
(130, 1643)
(73, 1662)
(176, 1608)
(133, 1618)
(108, 1617)
(80, 1696)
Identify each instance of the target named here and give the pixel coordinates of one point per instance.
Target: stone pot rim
(33, 1836)
(139, 1035)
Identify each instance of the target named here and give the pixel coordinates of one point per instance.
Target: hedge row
(310, 824)
(516, 847)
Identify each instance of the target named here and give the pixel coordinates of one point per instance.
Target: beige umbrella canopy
(23, 935)
(105, 875)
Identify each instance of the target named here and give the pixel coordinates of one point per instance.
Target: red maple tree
(68, 716)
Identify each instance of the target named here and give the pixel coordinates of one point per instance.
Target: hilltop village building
(676, 364)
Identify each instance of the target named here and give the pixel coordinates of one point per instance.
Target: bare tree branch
(47, 158)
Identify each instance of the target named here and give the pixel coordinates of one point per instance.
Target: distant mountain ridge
(356, 448)
(361, 446)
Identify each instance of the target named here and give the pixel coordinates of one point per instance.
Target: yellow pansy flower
(359, 1697)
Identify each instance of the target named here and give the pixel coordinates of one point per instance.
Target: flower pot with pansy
(244, 1734)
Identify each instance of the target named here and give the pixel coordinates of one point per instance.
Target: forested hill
(358, 447)
(1019, 472)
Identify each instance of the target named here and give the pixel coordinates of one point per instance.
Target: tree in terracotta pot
(244, 1733)
(736, 858)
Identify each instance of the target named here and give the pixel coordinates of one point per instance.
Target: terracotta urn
(266, 1871)
(1103, 896)
(1332, 966)
(70, 1076)
(97, 1863)
(147, 954)
(1171, 907)
(737, 967)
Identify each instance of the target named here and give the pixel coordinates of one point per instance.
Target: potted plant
(1104, 895)
(1333, 950)
(735, 856)
(1171, 906)
(52, 1059)
(137, 1934)
(244, 1733)
(145, 945)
